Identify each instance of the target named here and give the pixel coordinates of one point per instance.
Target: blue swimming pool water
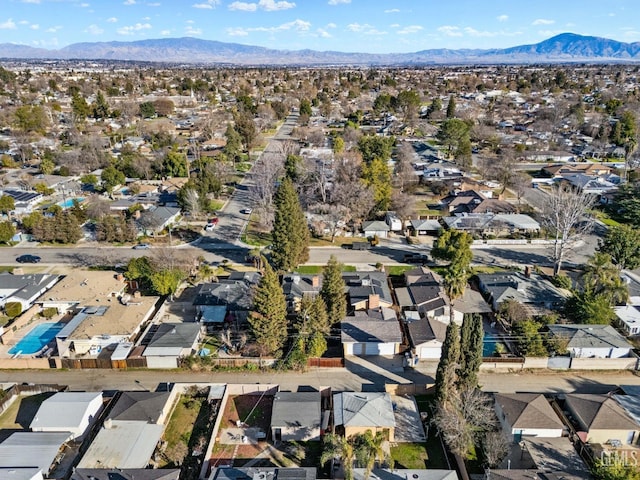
(69, 202)
(489, 346)
(37, 338)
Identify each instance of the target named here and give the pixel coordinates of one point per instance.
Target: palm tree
(336, 446)
(601, 277)
(368, 449)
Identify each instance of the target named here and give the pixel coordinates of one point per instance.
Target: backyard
(22, 411)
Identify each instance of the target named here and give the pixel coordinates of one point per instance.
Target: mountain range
(563, 48)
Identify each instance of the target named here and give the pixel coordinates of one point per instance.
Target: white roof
(629, 314)
(126, 444)
(66, 410)
(36, 450)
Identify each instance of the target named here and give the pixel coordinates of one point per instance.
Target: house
(67, 412)
(470, 302)
(126, 474)
(592, 341)
(527, 415)
(24, 201)
(532, 291)
(404, 474)
(297, 286)
(262, 473)
(426, 336)
(492, 223)
(130, 433)
(424, 227)
(235, 293)
(295, 416)
(600, 419)
(356, 412)
(628, 318)
(171, 342)
(31, 455)
(156, 219)
(367, 290)
(424, 294)
(377, 228)
(462, 202)
(542, 458)
(96, 327)
(24, 289)
(372, 332)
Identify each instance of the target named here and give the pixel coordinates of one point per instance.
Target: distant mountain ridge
(566, 47)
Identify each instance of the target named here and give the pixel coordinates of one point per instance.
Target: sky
(370, 26)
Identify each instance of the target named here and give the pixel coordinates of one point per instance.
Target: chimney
(120, 277)
(527, 271)
(315, 281)
(374, 300)
(108, 424)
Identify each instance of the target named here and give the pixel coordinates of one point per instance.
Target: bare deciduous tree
(495, 447)
(565, 215)
(265, 174)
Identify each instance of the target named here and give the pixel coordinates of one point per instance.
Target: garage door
(430, 352)
(358, 348)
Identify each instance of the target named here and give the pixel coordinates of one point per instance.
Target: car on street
(142, 246)
(246, 211)
(209, 227)
(28, 259)
(213, 221)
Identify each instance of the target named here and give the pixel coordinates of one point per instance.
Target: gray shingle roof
(528, 410)
(296, 409)
(590, 336)
(139, 406)
(599, 412)
(363, 409)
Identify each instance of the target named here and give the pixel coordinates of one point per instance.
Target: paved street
(360, 377)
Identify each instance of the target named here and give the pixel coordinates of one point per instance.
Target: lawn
(255, 237)
(318, 269)
(436, 456)
(397, 270)
(409, 455)
(178, 431)
(22, 411)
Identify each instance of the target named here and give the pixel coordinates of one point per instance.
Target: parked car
(209, 227)
(416, 258)
(246, 211)
(28, 259)
(213, 221)
(142, 246)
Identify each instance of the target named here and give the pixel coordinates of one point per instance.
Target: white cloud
(35, 26)
(266, 5)
(165, 33)
(272, 5)
(395, 25)
(410, 29)
(323, 33)
(502, 18)
(84, 5)
(8, 25)
(365, 29)
(94, 30)
(26, 22)
(300, 26)
(237, 32)
(132, 29)
(338, 2)
(331, 25)
(129, 2)
(543, 21)
(243, 6)
(450, 31)
(570, 24)
(112, 20)
(549, 33)
(146, 19)
(208, 4)
(53, 29)
(392, 10)
(31, 1)
(192, 30)
(153, 4)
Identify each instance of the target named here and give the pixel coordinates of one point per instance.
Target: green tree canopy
(167, 281)
(31, 118)
(7, 204)
(175, 164)
(374, 146)
(333, 291)
(7, 231)
(111, 177)
(471, 337)
(377, 175)
(269, 319)
(451, 107)
(446, 373)
(622, 243)
(290, 231)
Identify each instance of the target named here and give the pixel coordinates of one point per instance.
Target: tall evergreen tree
(332, 291)
(451, 107)
(269, 317)
(471, 336)
(290, 231)
(446, 376)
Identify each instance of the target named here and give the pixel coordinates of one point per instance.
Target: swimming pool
(489, 346)
(37, 338)
(69, 202)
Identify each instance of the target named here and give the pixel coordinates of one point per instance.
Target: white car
(246, 211)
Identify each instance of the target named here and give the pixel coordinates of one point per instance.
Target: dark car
(28, 259)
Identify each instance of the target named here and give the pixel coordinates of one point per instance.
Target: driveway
(408, 424)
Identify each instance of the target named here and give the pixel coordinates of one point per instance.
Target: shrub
(13, 309)
(49, 312)
(562, 281)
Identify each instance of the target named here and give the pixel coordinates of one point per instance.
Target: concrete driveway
(408, 424)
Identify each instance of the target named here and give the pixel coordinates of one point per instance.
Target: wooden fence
(82, 363)
(325, 362)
